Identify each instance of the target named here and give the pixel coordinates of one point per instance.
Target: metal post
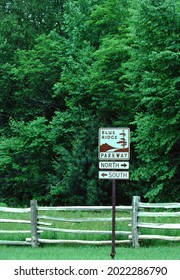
(113, 252)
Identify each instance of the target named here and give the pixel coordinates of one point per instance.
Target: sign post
(113, 252)
(114, 153)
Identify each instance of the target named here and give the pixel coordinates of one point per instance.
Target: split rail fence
(37, 224)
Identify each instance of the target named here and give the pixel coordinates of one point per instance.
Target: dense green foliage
(68, 67)
(156, 87)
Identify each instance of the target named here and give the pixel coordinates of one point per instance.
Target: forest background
(69, 67)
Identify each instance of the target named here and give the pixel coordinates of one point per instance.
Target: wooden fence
(139, 211)
(38, 223)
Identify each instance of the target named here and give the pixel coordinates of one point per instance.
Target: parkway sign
(114, 153)
(114, 144)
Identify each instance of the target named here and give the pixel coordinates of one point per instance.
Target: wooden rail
(86, 242)
(84, 220)
(14, 221)
(140, 211)
(159, 205)
(15, 210)
(39, 223)
(84, 208)
(80, 220)
(84, 231)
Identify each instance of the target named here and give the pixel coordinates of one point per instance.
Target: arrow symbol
(104, 174)
(124, 164)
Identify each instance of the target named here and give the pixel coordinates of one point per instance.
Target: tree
(70, 67)
(74, 180)
(24, 164)
(110, 100)
(24, 38)
(75, 129)
(154, 76)
(35, 74)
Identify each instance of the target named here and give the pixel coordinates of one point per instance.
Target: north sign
(114, 144)
(114, 165)
(119, 175)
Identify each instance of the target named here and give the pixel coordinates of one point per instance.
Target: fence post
(34, 217)
(135, 204)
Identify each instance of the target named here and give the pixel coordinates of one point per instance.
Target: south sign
(119, 175)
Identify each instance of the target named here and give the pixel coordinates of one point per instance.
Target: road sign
(114, 165)
(114, 144)
(119, 175)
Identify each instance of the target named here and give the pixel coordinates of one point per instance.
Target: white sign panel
(114, 144)
(113, 165)
(121, 175)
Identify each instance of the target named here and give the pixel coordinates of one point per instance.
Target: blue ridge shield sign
(114, 144)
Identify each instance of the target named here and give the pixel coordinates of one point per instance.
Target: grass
(70, 252)
(149, 250)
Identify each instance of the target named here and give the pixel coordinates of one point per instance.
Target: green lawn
(75, 252)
